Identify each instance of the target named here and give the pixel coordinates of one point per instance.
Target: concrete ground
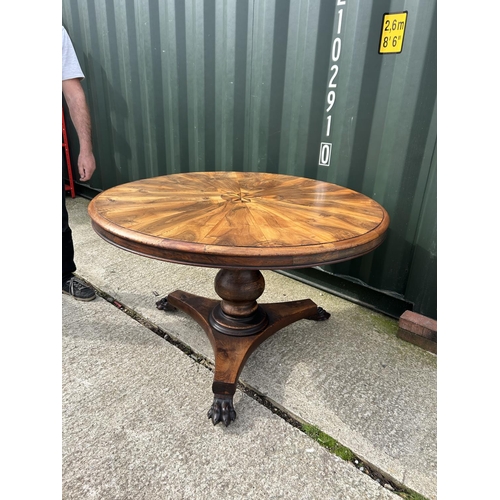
(135, 403)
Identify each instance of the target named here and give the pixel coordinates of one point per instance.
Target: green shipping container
(337, 90)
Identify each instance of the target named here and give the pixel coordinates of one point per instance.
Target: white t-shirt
(70, 65)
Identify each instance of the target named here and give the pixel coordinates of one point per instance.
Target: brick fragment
(419, 330)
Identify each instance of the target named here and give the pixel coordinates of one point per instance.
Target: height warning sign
(393, 32)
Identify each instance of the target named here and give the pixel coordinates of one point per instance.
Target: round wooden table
(241, 223)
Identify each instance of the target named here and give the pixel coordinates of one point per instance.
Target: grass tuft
(346, 454)
(328, 442)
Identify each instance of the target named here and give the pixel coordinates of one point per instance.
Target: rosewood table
(240, 223)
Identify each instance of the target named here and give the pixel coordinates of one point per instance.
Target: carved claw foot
(163, 305)
(222, 410)
(319, 315)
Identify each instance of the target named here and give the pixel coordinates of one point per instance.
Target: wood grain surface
(239, 220)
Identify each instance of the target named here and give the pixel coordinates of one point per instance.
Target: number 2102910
(326, 147)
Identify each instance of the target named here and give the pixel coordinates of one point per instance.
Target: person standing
(80, 116)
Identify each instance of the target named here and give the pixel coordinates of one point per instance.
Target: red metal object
(70, 185)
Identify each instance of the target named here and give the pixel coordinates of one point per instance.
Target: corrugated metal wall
(259, 85)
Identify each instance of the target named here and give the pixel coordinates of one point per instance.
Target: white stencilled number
(330, 99)
(337, 45)
(325, 153)
(335, 70)
(325, 150)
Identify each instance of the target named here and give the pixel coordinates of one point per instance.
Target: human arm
(80, 116)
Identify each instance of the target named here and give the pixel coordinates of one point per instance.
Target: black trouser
(68, 252)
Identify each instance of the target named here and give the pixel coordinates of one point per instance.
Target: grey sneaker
(78, 289)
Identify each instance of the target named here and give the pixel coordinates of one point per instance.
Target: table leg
(236, 326)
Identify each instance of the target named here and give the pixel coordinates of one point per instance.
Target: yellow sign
(393, 33)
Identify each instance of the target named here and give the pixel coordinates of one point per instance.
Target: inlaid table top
(244, 220)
